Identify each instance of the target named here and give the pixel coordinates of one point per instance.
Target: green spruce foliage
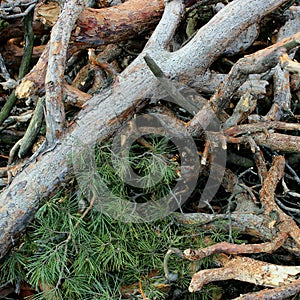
(64, 255)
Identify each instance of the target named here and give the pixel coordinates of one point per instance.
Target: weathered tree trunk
(104, 113)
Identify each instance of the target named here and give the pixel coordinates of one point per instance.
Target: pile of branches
(242, 61)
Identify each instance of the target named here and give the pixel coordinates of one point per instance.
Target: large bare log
(104, 113)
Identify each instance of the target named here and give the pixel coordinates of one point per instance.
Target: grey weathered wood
(59, 40)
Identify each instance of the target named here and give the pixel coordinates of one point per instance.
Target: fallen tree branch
(229, 248)
(59, 40)
(96, 27)
(242, 129)
(278, 141)
(245, 269)
(278, 293)
(286, 224)
(26, 142)
(282, 94)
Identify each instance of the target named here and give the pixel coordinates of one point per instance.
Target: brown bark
(96, 27)
(74, 96)
(279, 142)
(267, 196)
(13, 53)
(228, 248)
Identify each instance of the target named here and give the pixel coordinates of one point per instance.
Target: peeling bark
(248, 270)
